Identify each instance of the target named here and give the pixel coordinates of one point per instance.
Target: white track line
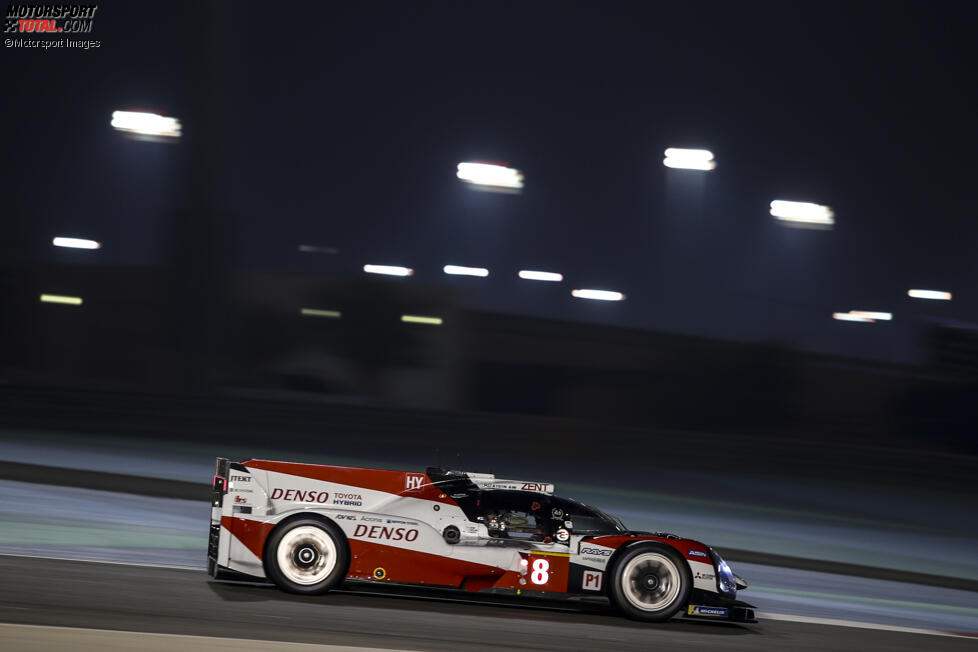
(104, 561)
(812, 620)
(41, 637)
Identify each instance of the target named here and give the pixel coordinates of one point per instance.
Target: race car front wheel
(651, 582)
(307, 556)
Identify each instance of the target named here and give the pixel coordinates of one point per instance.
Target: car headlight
(726, 581)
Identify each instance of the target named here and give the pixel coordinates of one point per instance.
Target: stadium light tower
(62, 299)
(867, 316)
(496, 177)
(848, 316)
(144, 123)
(802, 212)
(76, 243)
(689, 159)
(935, 295)
(872, 314)
(534, 275)
(598, 295)
(388, 270)
(459, 270)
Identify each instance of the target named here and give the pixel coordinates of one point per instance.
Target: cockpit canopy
(510, 512)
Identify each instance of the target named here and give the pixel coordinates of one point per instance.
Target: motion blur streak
(58, 298)
(390, 270)
(147, 124)
(541, 276)
(600, 295)
(689, 159)
(76, 243)
(490, 174)
(869, 314)
(421, 319)
(848, 316)
(796, 211)
(315, 312)
(457, 270)
(929, 294)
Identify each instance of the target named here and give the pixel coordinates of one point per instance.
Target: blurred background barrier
(311, 340)
(255, 424)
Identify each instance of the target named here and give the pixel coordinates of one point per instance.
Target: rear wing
(467, 480)
(489, 481)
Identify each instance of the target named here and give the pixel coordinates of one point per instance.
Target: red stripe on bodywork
(414, 567)
(251, 533)
(394, 482)
(683, 546)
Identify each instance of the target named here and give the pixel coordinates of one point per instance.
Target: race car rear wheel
(651, 582)
(307, 556)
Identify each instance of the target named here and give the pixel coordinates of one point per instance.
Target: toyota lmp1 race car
(310, 528)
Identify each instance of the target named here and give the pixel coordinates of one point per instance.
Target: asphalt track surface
(62, 593)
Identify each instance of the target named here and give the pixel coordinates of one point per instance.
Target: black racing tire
(308, 556)
(650, 582)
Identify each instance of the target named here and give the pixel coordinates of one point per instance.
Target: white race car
(309, 528)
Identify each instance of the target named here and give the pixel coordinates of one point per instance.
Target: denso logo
(388, 533)
(300, 496)
(596, 551)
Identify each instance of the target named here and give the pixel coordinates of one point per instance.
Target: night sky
(344, 123)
